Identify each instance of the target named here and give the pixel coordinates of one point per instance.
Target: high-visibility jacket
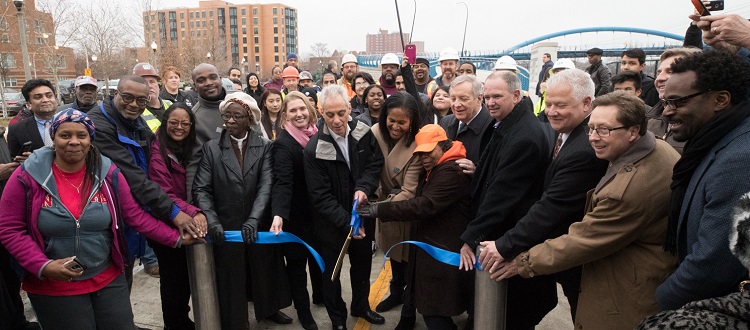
(151, 120)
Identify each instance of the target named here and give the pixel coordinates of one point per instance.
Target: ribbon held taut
(267, 237)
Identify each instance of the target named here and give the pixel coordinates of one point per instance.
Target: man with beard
(448, 65)
(422, 76)
(706, 104)
(389, 65)
(85, 91)
(349, 67)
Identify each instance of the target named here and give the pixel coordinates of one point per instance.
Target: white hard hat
(390, 58)
(348, 58)
(448, 54)
(505, 63)
(563, 63)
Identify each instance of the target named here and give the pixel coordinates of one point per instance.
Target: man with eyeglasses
(620, 239)
(706, 104)
(574, 171)
(123, 136)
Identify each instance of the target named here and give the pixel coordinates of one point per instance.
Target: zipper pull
(78, 224)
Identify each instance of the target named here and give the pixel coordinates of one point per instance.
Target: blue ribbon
(356, 222)
(267, 237)
(447, 257)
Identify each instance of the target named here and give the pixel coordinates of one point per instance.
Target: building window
(39, 40)
(244, 49)
(191, 15)
(3, 23)
(6, 38)
(276, 58)
(38, 26)
(182, 15)
(203, 14)
(244, 12)
(191, 25)
(276, 40)
(211, 13)
(275, 20)
(257, 59)
(257, 49)
(275, 49)
(275, 11)
(204, 23)
(255, 11)
(255, 39)
(255, 30)
(182, 25)
(199, 33)
(11, 82)
(275, 30)
(183, 34)
(255, 21)
(244, 40)
(244, 31)
(244, 21)
(8, 61)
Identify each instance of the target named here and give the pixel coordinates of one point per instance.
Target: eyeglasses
(604, 131)
(362, 83)
(680, 101)
(179, 124)
(227, 116)
(140, 101)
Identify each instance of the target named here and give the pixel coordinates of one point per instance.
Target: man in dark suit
(574, 171)
(470, 122)
(42, 101)
(505, 186)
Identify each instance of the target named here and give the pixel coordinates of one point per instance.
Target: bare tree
(320, 50)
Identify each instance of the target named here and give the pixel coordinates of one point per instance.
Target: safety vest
(151, 120)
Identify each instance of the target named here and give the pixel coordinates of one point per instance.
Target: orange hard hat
(290, 72)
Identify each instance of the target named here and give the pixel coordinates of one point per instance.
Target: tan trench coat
(618, 242)
(401, 170)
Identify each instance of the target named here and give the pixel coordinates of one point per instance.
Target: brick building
(254, 37)
(47, 59)
(384, 42)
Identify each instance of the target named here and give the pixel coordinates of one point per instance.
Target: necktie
(47, 139)
(461, 128)
(558, 144)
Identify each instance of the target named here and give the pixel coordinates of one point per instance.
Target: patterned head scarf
(71, 115)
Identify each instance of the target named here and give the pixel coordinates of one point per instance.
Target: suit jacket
(475, 137)
(707, 268)
(574, 172)
(619, 242)
(401, 171)
(19, 134)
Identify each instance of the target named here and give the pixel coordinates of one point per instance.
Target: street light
(466, 24)
(24, 46)
(208, 57)
(154, 46)
(257, 70)
(244, 62)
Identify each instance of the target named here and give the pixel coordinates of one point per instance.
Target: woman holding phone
(61, 213)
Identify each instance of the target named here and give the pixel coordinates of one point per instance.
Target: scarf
(302, 136)
(695, 151)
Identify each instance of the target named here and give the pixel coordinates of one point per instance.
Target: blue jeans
(148, 259)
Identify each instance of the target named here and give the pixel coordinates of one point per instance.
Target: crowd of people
(621, 189)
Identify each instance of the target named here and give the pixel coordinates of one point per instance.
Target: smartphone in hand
(74, 265)
(701, 8)
(410, 52)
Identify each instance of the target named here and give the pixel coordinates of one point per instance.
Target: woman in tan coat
(395, 131)
(620, 240)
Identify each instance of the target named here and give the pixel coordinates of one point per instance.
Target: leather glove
(249, 231)
(368, 211)
(216, 232)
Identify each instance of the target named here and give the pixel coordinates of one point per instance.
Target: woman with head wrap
(61, 213)
(233, 188)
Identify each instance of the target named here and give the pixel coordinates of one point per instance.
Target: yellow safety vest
(151, 120)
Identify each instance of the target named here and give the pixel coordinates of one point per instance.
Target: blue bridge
(520, 52)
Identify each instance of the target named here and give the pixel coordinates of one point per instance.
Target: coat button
(628, 168)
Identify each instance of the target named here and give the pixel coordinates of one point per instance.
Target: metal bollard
(490, 300)
(200, 258)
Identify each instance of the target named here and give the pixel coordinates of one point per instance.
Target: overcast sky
(493, 24)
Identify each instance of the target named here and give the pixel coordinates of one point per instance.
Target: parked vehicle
(15, 104)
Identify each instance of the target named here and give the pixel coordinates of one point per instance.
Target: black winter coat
(290, 200)
(228, 194)
(331, 183)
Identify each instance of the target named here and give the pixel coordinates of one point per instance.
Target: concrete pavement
(146, 303)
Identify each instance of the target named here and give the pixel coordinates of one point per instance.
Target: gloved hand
(368, 210)
(216, 232)
(249, 231)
